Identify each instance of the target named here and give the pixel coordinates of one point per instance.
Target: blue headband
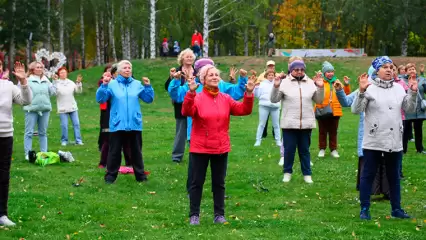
(380, 61)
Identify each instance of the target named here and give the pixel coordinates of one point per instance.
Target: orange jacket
(337, 108)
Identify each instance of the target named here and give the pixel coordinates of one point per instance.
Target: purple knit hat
(202, 62)
(297, 64)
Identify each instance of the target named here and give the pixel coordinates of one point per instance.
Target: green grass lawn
(46, 205)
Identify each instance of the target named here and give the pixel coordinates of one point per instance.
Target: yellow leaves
(43, 218)
(152, 193)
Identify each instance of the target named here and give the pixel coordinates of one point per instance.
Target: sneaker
(109, 179)
(321, 153)
(279, 143)
(335, 154)
(66, 155)
(194, 220)
(27, 158)
(176, 160)
(281, 162)
(80, 143)
(257, 143)
(365, 214)
(219, 219)
(63, 144)
(400, 213)
(422, 152)
(311, 163)
(5, 221)
(412, 140)
(287, 177)
(101, 166)
(308, 179)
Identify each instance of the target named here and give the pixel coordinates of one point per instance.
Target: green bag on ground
(47, 158)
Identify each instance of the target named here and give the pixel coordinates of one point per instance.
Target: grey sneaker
(5, 221)
(66, 155)
(220, 219)
(194, 220)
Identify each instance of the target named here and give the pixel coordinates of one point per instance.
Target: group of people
(172, 48)
(203, 104)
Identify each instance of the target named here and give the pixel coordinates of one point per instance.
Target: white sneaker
(312, 164)
(257, 144)
(63, 144)
(281, 162)
(279, 143)
(412, 140)
(321, 153)
(5, 221)
(308, 179)
(80, 143)
(27, 158)
(287, 177)
(335, 154)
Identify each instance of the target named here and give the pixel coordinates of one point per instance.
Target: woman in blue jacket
(125, 121)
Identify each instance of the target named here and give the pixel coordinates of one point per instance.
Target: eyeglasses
(299, 70)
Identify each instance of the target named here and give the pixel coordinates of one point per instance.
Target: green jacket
(42, 90)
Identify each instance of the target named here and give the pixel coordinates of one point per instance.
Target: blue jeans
(75, 124)
(300, 139)
(42, 120)
(392, 164)
(264, 112)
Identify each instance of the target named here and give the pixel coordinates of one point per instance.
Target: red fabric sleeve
(188, 107)
(242, 108)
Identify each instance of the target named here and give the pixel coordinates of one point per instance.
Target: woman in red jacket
(211, 111)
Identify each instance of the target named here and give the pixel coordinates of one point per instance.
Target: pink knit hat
(202, 62)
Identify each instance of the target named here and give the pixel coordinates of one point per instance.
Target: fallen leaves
(102, 225)
(152, 193)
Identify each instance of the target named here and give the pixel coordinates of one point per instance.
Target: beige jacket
(382, 103)
(296, 102)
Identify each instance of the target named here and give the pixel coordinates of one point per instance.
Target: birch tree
(61, 26)
(83, 44)
(98, 50)
(111, 29)
(152, 30)
(49, 44)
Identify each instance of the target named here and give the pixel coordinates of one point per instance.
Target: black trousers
(218, 164)
(418, 134)
(6, 148)
(265, 130)
(116, 142)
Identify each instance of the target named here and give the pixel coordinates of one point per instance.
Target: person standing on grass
(296, 93)
(165, 46)
(9, 94)
(178, 92)
(416, 118)
(102, 107)
(382, 101)
(266, 108)
(125, 118)
(328, 124)
(271, 44)
(185, 60)
(38, 112)
(210, 141)
(67, 106)
(197, 37)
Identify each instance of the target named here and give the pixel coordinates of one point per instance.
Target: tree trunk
(206, 29)
(28, 50)
(102, 38)
(83, 44)
(127, 33)
(111, 24)
(61, 28)
(246, 41)
(122, 35)
(49, 46)
(98, 47)
(152, 29)
(258, 43)
(216, 48)
(404, 44)
(143, 48)
(12, 37)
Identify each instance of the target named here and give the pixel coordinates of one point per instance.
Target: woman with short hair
(125, 118)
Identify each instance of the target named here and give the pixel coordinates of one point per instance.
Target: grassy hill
(46, 205)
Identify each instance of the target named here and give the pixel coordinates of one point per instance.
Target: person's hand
(412, 83)
(277, 81)
(243, 73)
(319, 81)
(232, 73)
(282, 75)
(363, 82)
(192, 84)
(337, 85)
(251, 84)
(346, 80)
(79, 78)
(146, 81)
(106, 78)
(422, 68)
(55, 77)
(19, 72)
(177, 75)
(172, 72)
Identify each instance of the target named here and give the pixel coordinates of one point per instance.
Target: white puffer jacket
(296, 99)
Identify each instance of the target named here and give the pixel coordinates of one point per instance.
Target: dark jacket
(177, 106)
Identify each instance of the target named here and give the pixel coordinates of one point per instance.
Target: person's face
(271, 67)
(107, 76)
(63, 74)
(38, 70)
(270, 76)
(126, 70)
(411, 71)
(386, 72)
(212, 78)
(329, 75)
(298, 72)
(402, 71)
(188, 59)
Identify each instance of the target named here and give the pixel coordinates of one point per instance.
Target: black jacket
(177, 106)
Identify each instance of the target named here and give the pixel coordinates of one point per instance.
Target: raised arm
(360, 103)
(52, 88)
(23, 95)
(188, 107)
(318, 96)
(236, 91)
(276, 94)
(242, 108)
(409, 104)
(78, 88)
(176, 91)
(146, 93)
(346, 100)
(103, 94)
